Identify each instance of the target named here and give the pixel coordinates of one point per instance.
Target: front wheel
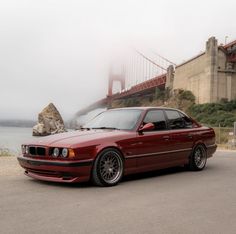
(198, 158)
(108, 168)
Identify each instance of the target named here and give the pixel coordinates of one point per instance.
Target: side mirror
(147, 127)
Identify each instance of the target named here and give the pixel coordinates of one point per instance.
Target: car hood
(72, 138)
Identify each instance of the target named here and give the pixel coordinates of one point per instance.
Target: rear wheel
(198, 158)
(108, 168)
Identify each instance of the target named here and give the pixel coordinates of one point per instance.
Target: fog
(60, 51)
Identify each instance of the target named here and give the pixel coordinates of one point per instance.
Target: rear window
(177, 120)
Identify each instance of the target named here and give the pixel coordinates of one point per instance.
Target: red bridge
(138, 76)
(144, 87)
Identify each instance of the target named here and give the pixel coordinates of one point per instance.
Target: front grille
(32, 150)
(41, 151)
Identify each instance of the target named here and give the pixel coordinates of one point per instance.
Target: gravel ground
(169, 201)
(9, 167)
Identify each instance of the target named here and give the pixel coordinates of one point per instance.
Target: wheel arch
(199, 143)
(101, 149)
(116, 147)
(98, 153)
(196, 144)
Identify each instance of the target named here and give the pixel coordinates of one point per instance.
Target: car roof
(145, 108)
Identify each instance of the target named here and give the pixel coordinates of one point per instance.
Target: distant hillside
(180, 99)
(17, 123)
(213, 114)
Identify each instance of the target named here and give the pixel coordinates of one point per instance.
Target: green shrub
(186, 95)
(150, 99)
(130, 102)
(215, 114)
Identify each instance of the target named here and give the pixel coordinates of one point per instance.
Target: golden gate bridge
(139, 74)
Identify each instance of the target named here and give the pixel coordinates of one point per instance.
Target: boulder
(49, 122)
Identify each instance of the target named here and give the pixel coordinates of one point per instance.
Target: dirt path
(9, 166)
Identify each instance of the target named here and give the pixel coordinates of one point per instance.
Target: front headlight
(27, 149)
(56, 152)
(64, 152)
(23, 149)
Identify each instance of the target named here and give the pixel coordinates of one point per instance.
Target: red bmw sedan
(119, 142)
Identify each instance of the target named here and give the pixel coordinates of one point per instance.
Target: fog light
(56, 152)
(64, 153)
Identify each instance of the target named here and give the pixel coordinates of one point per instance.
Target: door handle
(166, 138)
(190, 136)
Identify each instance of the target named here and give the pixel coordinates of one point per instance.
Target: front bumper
(55, 170)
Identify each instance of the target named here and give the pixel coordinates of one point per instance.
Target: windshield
(115, 119)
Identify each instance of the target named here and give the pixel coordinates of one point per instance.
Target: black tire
(198, 158)
(108, 168)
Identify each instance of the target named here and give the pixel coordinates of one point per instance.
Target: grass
(5, 152)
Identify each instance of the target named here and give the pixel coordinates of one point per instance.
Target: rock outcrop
(49, 122)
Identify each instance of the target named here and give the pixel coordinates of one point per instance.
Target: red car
(118, 142)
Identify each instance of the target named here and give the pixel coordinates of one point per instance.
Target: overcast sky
(59, 51)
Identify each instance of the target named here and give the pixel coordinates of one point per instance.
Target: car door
(182, 135)
(152, 145)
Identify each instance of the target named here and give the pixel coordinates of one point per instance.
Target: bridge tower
(115, 77)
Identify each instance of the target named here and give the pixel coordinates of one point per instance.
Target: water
(12, 137)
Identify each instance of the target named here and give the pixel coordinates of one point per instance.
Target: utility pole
(219, 134)
(234, 129)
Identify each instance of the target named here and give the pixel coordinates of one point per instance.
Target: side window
(187, 121)
(175, 120)
(157, 118)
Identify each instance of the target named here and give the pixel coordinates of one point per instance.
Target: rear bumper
(57, 171)
(211, 149)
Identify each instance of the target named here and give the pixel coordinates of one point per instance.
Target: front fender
(102, 147)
